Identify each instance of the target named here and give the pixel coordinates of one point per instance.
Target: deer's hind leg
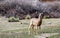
(31, 28)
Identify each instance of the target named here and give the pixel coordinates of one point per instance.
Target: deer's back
(34, 21)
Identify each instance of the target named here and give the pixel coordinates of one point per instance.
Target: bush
(13, 19)
(46, 17)
(28, 17)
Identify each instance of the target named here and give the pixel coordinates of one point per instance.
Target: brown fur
(36, 21)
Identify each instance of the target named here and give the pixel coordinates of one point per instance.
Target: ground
(50, 28)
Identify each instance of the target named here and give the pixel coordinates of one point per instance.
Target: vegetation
(13, 19)
(13, 28)
(28, 17)
(56, 36)
(46, 17)
(20, 9)
(17, 30)
(51, 29)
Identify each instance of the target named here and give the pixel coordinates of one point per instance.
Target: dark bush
(18, 8)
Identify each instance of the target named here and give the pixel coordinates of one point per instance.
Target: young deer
(36, 21)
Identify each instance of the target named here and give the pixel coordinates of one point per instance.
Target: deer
(36, 22)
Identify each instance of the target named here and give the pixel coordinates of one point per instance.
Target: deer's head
(41, 15)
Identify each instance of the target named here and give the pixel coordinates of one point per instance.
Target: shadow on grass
(55, 36)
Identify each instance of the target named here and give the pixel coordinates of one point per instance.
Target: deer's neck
(40, 18)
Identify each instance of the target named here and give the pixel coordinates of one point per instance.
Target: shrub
(46, 17)
(13, 19)
(28, 17)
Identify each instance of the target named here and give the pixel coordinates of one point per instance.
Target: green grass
(16, 35)
(51, 29)
(18, 30)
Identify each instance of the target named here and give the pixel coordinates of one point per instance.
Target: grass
(56, 36)
(16, 35)
(51, 29)
(18, 30)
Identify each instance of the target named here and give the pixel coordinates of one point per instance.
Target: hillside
(18, 8)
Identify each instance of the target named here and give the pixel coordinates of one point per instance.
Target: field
(50, 28)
